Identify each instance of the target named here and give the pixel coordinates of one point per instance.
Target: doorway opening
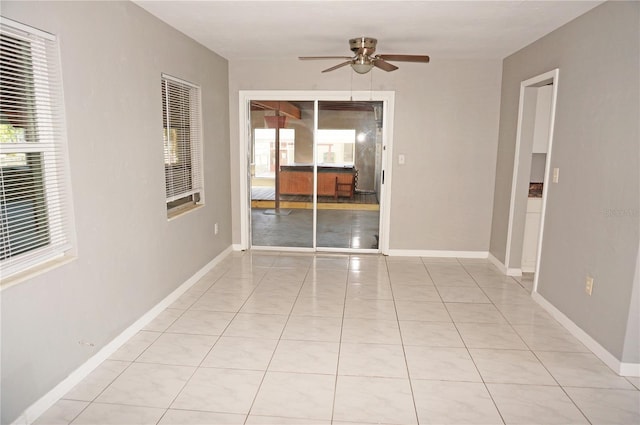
(531, 175)
(314, 170)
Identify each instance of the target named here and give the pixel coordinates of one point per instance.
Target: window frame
(47, 138)
(287, 146)
(191, 195)
(328, 133)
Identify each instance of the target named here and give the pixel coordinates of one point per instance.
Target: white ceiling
(442, 29)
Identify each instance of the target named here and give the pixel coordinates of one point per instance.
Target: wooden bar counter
(332, 181)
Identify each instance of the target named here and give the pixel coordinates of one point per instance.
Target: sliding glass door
(349, 155)
(282, 173)
(315, 174)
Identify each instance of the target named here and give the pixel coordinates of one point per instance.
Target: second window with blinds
(182, 139)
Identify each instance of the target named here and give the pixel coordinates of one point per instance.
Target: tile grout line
(289, 316)
(235, 314)
(94, 400)
(266, 370)
(131, 362)
(404, 352)
(560, 386)
(196, 368)
(344, 307)
(455, 325)
(529, 349)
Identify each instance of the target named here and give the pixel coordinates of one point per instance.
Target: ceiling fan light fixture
(365, 58)
(361, 68)
(362, 65)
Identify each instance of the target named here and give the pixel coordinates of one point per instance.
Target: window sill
(182, 210)
(35, 271)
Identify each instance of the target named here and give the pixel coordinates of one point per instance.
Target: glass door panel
(282, 182)
(349, 161)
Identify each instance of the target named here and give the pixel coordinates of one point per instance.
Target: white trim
(528, 268)
(388, 116)
(547, 172)
(34, 271)
(245, 192)
(437, 254)
(514, 272)
(493, 260)
(26, 28)
(32, 412)
(630, 369)
(282, 249)
(236, 247)
(179, 80)
(388, 99)
(314, 158)
(624, 369)
(321, 249)
(21, 420)
(531, 82)
(514, 176)
(507, 271)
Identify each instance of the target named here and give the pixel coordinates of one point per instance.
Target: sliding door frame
(386, 97)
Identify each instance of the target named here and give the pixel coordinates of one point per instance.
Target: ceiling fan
(365, 59)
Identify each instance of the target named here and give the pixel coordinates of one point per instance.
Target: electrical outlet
(588, 287)
(556, 175)
(215, 228)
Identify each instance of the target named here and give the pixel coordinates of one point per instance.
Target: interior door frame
(550, 76)
(388, 100)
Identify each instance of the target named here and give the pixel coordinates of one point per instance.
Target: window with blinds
(34, 218)
(182, 140)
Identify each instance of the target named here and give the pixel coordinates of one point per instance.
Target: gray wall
(592, 225)
(129, 256)
(446, 124)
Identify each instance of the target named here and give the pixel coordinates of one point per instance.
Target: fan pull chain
(371, 86)
(351, 88)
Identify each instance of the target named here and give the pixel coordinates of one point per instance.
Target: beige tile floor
(276, 338)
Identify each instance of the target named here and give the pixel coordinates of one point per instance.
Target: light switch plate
(556, 175)
(401, 159)
(588, 288)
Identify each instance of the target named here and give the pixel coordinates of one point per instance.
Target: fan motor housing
(363, 45)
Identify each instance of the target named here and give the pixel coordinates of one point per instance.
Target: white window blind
(182, 131)
(34, 218)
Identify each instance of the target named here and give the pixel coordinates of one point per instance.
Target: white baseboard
(493, 260)
(514, 272)
(45, 402)
(236, 247)
(503, 268)
(623, 369)
(630, 369)
(442, 254)
(528, 268)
